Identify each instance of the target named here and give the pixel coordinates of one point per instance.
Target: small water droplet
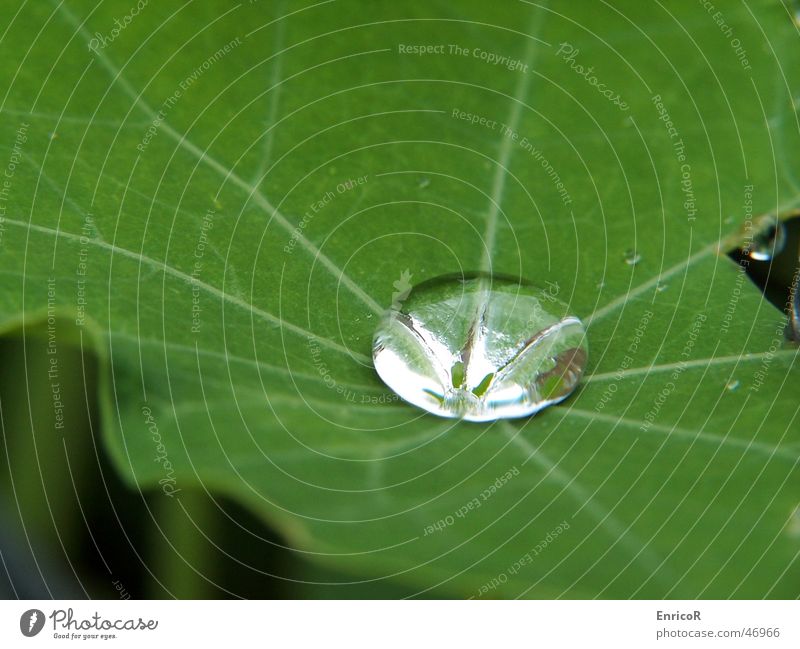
(661, 287)
(632, 257)
(793, 526)
(768, 243)
(600, 285)
(732, 385)
(480, 348)
(423, 182)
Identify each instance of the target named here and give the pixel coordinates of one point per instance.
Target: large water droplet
(769, 242)
(480, 348)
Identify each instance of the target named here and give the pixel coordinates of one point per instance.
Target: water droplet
(480, 348)
(661, 287)
(423, 182)
(732, 385)
(632, 257)
(768, 243)
(793, 526)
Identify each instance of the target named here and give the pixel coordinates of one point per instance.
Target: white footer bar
(401, 624)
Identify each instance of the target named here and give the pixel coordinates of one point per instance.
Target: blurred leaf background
(69, 527)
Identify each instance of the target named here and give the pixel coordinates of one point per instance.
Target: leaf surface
(226, 197)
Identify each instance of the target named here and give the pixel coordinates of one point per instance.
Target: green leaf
(226, 196)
